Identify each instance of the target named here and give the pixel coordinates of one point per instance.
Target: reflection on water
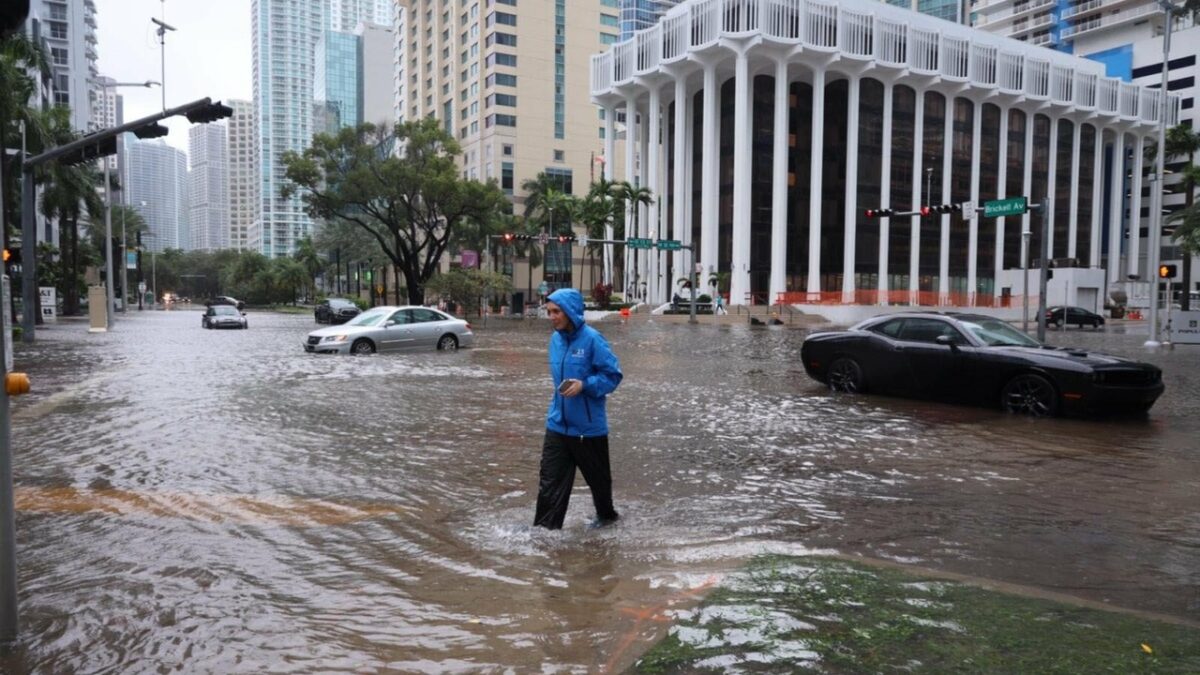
(222, 501)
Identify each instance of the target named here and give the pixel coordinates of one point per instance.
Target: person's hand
(574, 388)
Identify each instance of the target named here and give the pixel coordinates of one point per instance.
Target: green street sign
(637, 242)
(998, 208)
(670, 245)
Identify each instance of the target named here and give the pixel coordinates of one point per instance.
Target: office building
(950, 10)
(241, 157)
(155, 176)
(775, 160)
(208, 187)
(377, 72)
(67, 29)
(637, 15)
(1101, 29)
(337, 82)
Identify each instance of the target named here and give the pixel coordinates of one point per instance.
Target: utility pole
(1156, 196)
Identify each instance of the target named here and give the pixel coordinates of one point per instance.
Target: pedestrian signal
(1166, 271)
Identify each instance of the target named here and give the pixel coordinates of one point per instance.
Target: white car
(390, 329)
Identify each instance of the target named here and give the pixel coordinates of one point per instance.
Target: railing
(903, 298)
(867, 30)
(1151, 102)
(1081, 8)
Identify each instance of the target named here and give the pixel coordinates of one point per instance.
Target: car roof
(960, 316)
(395, 308)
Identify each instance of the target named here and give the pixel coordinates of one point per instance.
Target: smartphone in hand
(566, 384)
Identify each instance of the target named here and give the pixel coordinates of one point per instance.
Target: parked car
(226, 300)
(386, 329)
(223, 316)
(1072, 316)
(976, 359)
(335, 310)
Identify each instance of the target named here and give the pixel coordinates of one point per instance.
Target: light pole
(109, 276)
(1026, 234)
(1157, 191)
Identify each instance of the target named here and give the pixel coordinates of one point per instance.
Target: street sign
(670, 245)
(141, 287)
(581, 240)
(638, 242)
(997, 208)
(968, 210)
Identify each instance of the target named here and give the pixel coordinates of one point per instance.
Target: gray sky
(208, 54)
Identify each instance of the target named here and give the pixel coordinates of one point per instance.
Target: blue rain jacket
(580, 353)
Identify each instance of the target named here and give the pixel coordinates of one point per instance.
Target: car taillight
(468, 326)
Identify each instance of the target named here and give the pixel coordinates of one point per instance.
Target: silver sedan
(388, 329)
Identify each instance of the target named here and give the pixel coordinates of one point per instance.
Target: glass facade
(337, 81)
(638, 14)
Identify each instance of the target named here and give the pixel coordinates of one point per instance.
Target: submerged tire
(447, 343)
(362, 347)
(1029, 394)
(846, 375)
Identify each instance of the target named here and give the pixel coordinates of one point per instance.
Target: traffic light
(1166, 271)
(925, 210)
(942, 208)
(12, 256)
(880, 213)
(564, 238)
(209, 113)
(154, 130)
(89, 153)
(508, 237)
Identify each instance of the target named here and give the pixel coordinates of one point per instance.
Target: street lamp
(1025, 236)
(1156, 193)
(110, 277)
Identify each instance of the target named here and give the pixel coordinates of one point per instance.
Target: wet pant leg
(592, 458)
(555, 479)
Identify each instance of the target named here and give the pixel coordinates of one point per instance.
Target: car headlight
(334, 338)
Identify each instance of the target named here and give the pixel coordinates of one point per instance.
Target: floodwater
(224, 502)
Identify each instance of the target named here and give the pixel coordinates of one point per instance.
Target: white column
(1001, 187)
(653, 181)
(1027, 219)
(850, 229)
(947, 168)
(1097, 198)
(644, 210)
(689, 177)
(1116, 207)
(679, 194)
(1051, 194)
(816, 162)
(739, 266)
(973, 218)
(1134, 263)
(1073, 223)
(610, 144)
(660, 257)
(630, 157)
(709, 199)
(914, 253)
(779, 184)
(885, 190)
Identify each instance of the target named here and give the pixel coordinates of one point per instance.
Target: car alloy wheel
(846, 375)
(362, 346)
(447, 343)
(1029, 394)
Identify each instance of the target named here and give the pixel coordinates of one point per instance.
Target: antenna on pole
(163, 27)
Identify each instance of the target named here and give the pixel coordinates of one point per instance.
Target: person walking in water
(584, 371)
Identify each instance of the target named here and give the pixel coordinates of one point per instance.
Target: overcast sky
(207, 55)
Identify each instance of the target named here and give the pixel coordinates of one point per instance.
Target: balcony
(1107, 21)
(1020, 11)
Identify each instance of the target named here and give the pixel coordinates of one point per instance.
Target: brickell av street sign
(636, 242)
(998, 208)
(670, 245)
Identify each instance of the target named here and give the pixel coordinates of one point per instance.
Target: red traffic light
(562, 239)
(508, 237)
(925, 210)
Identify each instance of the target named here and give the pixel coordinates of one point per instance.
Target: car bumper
(1111, 400)
(227, 324)
(466, 340)
(327, 347)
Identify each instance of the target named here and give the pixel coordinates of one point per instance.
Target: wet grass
(785, 614)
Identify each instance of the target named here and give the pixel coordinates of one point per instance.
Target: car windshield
(372, 318)
(996, 333)
(338, 304)
(224, 310)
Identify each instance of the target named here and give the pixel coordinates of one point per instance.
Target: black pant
(560, 455)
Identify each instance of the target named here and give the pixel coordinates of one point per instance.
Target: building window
(500, 99)
(495, 59)
(501, 39)
(506, 177)
(608, 38)
(500, 79)
(609, 20)
(506, 150)
(559, 156)
(501, 18)
(560, 176)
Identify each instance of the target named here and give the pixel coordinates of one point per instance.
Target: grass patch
(786, 614)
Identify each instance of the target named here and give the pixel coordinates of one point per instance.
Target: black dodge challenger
(977, 359)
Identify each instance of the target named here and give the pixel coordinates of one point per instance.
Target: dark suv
(1076, 316)
(226, 300)
(335, 310)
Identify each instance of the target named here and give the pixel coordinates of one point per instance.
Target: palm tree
(306, 255)
(18, 57)
(632, 197)
(70, 193)
(601, 214)
(289, 275)
(1182, 141)
(535, 190)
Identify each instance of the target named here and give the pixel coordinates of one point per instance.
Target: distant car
(226, 300)
(335, 310)
(1072, 316)
(976, 359)
(386, 329)
(223, 316)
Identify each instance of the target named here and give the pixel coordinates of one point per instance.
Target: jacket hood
(570, 301)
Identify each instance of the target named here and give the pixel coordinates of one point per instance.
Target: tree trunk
(71, 271)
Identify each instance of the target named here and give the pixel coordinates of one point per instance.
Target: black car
(1072, 316)
(976, 359)
(335, 310)
(226, 300)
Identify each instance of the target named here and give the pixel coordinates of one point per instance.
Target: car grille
(1127, 378)
(314, 340)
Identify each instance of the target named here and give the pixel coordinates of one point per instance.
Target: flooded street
(224, 502)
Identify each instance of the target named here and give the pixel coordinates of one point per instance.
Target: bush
(602, 294)
(704, 297)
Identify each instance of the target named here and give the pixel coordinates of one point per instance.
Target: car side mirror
(948, 341)
(390, 322)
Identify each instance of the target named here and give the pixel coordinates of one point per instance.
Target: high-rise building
(337, 82)
(68, 31)
(377, 72)
(241, 157)
(638, 14)
(1101, 30)
(284, 39)
(208, 187)
(950, 10)
(155, 176)
(109, 110)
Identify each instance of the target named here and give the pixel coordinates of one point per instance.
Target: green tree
(413, 202)
(466, 287)
(631, 197)
(19, 56)
(69, 194)
(310, 261)
(289, 276)
(1182, 141)
(599, 210)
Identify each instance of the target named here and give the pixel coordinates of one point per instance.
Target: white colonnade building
(765, 128)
